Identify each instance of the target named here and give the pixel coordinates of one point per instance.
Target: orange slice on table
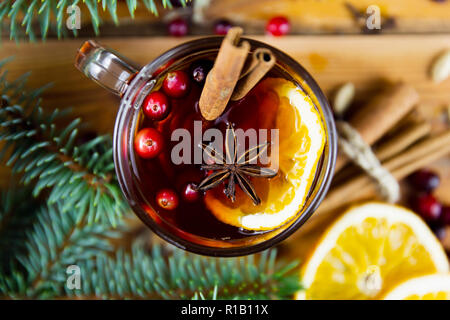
(370, 250)
(301, 142)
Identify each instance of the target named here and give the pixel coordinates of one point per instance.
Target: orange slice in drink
(301, 142)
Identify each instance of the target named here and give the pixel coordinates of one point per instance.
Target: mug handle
(110, 70)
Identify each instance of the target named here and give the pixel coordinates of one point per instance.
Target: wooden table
(367, 61)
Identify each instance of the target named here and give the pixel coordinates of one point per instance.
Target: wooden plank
(368, 61)
(306, 16)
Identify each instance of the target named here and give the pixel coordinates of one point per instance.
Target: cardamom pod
(440, 69)
(343, 98)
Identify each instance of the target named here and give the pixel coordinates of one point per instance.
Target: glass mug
(133, 83)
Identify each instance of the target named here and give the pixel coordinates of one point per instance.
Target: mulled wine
(236, 183)
(171, 191)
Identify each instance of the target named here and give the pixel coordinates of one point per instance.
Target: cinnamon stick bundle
(398, 142)
(402, 140)
(362, 187)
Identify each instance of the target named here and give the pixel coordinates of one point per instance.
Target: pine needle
(51, 159)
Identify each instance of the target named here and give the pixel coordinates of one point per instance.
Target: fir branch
(20, 15)
(56, 241)
(16, 215)
(82, 189)
(144, 275)
(82, 175)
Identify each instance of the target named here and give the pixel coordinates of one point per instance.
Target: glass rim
(126, 110)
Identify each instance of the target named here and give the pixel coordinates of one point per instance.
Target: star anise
(235, 168)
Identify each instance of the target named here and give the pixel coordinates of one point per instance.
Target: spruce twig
(83, 174)
(153, 275)
(55, 241)
(16, 215)
(20, 16)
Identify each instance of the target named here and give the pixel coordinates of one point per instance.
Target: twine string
(357, 150)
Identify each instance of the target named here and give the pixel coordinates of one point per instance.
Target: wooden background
(332, 16)
(306, 16)
(367, 61)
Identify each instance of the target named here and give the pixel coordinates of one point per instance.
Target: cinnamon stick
(262, 61)
(402, 140)
(362, 187)
(222, 78)
(378, 116)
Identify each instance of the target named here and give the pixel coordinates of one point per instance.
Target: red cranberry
(148, 143)
(176, 84)
(167, 199)
(190, 193)
(221, 27)
(278, 26)
(428, 207)
(178, 27)
(156, 106)
(425, 180)
(445, 216)
(200, 69)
